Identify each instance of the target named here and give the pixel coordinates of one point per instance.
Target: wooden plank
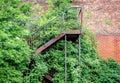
(49, 43)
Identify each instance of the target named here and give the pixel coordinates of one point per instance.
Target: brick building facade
(102, 17)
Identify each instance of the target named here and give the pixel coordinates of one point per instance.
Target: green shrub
(108, 22)
(93, 69)
(14, 50)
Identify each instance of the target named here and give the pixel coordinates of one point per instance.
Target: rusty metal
(49, 43)
(57, 38)
(81, 20)
(65, 35)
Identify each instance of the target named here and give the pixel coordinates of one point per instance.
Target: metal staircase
(64, 34)
(72, 35)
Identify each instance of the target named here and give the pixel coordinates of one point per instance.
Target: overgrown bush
(14, 50)
(16, 65)
(93, 69)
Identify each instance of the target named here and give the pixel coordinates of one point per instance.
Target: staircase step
(72, 35)
(49, 43)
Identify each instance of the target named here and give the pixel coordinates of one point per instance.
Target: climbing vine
(14, 50)
(93, 69)
(16, 63)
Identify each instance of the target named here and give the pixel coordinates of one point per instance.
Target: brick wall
(103, 18)
(109, 46)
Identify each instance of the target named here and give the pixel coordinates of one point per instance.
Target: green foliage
(36, 72)
(88, 15)
(92, 68)
(49, 24)
(59, 4)
(108, 22)
(14, 50)
(57, 62)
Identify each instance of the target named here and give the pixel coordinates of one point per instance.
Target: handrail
(64, 12)
(43, 27)
(39, 30)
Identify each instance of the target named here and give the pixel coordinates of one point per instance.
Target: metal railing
(59, 24)
(45, 33)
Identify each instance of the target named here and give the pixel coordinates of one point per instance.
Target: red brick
(109, 46)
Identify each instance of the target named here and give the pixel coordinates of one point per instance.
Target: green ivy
(93, 69)
(14, 50)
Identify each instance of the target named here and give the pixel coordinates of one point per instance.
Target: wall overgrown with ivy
(93, 69)
(15, 53)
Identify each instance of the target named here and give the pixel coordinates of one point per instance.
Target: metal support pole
(80, 18)
(65, 47)
(63, 19)
(79, 54)
(65, 59)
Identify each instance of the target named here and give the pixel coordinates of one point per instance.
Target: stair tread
(49, 43)
(54, 40)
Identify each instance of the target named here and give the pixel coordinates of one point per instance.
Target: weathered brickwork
(103, 18)
(109, 46)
